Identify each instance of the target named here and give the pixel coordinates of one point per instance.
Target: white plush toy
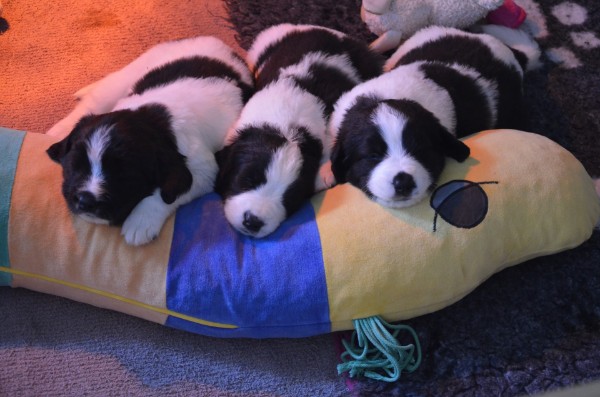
(395, 20)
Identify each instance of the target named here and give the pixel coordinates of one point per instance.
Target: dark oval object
(461, 203)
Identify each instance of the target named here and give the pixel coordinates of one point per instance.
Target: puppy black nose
(85, 201)
(252, 222)
(404, 184)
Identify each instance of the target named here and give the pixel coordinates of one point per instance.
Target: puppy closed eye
(250, 181)
(376, 151)
(374, 157)
(371, 157)
(80, 161)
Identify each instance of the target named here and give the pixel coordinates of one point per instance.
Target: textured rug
(562, 96)
(529, 329)
(50, 346)
(534, 327)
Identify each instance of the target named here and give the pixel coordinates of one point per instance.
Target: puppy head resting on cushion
(268, 169)
(149, 146)
(112, 161)
(394, 132)
(394, 150)
(270, 165)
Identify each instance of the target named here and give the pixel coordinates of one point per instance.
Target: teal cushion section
(10, 146)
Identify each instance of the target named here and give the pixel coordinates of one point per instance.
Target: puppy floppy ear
(454, 147)
(60, 149)
(356, 122)
(174, 177)
(223, 175)
(339, 162)
(222, 155)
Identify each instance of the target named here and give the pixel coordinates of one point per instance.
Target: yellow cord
(117, 297)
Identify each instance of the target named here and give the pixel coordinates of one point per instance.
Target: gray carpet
(51, 346)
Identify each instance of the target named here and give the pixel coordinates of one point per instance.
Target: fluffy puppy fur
(393, 133)
(145, 136)
(270, 165)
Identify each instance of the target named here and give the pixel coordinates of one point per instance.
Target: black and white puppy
(392, 134)
(145, 136)
(270, 165)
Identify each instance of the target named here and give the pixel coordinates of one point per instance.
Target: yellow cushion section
(49, 251)
(387, 262)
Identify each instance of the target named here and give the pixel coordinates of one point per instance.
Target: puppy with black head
(144, 137)
(392, 134)
(271, 163)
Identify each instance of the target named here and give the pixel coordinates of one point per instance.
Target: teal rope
(375, 353)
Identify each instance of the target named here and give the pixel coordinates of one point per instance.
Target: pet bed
(340, 259)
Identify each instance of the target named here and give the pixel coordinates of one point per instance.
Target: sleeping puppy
(393, 133)
(146, 136)
(270, 165)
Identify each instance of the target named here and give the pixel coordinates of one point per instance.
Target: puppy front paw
(147, 218)
(141, 227)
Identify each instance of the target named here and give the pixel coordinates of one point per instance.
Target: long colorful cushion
(342, 257)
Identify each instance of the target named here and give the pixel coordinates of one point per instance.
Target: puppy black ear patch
(355, 126)
(339, 162)
(178, 183)
(174, 176)
(59, 149)
(224, 174)
(455, 148)
(222, 155)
